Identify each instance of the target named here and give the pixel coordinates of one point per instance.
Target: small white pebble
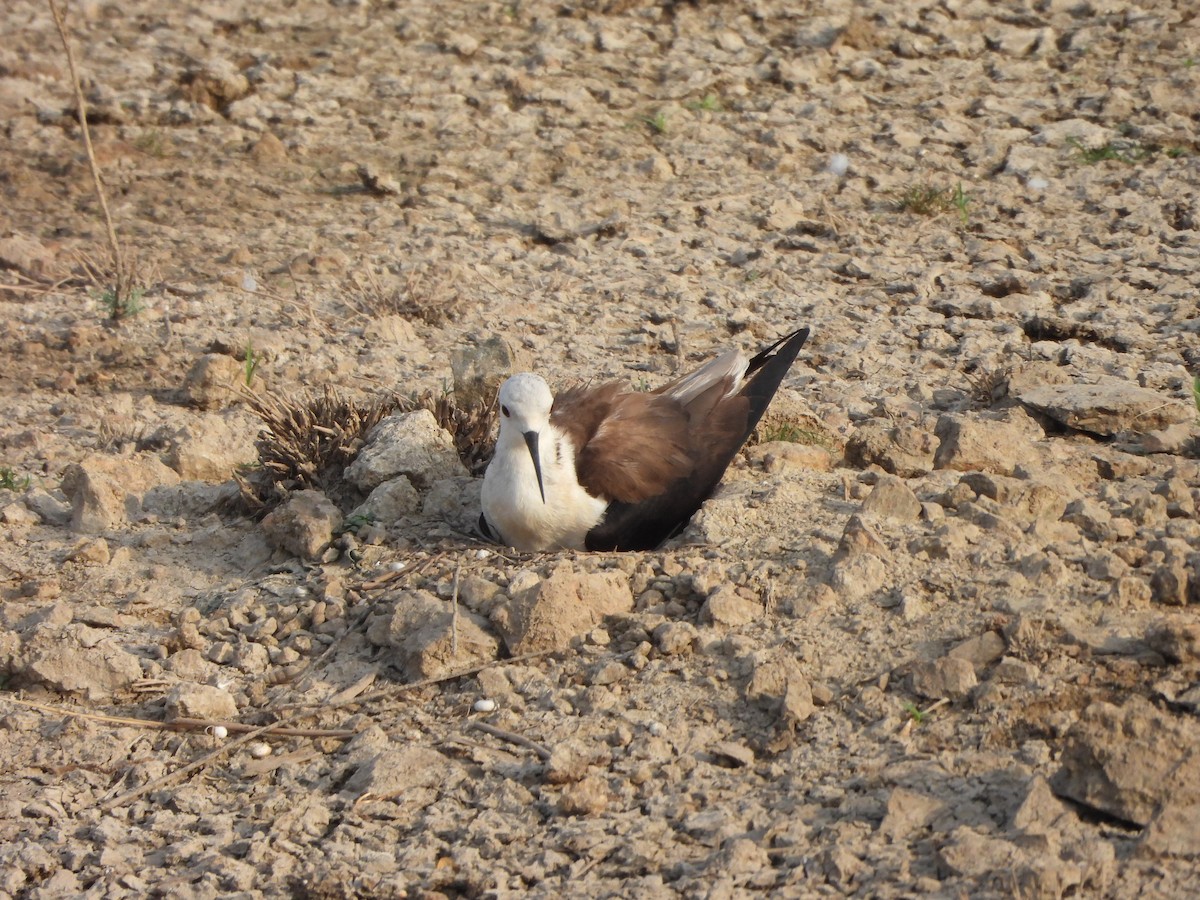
(249, 282)
(220, 732)
(397, 566)
(839, 164)
(260, 750)
(483, 554)
(1037, 183)
(657, 729)
(485, 705)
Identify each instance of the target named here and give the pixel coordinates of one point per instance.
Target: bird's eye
(504, 411)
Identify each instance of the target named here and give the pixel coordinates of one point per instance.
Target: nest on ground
(307, 441)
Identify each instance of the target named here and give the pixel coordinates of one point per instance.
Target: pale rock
(390, 329)
(422, 628)
(97, 672)
(105, 490)
(968, 853)
(200, 701)
(861, 564)
(903, 450)
(18, 515)
(970, 441)
(303, 524)
(1130, 592)
(480, 368)
(1039, 809)
(49, 508)
(1179, 439)
(675, 638)
(566, 604)
(786, 456)
(1169, 582)
(893, 499)
(779, 683)
(1177, 638)
(1127, 761)
(907, 812)
(93, 552)
(409, 444)
(1106, 407)
(189, 663)
(210, 448)
(589, 796)
(571, 759)
(980, 651)
(454, 501)
(215, 381)
(726, 607)
(389, 502)
(407, 773)
(949, 677)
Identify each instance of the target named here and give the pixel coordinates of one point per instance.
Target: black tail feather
(768, 369)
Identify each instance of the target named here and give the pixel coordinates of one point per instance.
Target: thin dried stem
(123, 289)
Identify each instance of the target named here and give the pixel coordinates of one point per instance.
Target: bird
(607, 467)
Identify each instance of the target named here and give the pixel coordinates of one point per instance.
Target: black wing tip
(787, 347)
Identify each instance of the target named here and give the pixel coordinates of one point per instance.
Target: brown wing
(628, 446)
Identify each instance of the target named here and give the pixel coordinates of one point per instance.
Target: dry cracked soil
(936, 634)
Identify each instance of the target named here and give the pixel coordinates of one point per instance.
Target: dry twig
(123, 289)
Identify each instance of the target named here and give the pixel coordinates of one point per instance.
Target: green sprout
(658, 122)
(960, 200)
(10, 481)
(252, 361)
(710, 103)
(914, 712)
(122, 305)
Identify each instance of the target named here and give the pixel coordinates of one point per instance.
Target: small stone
(587, 797)
(389, 502)
(214, 382)
(303, 525)
(907, 812)
(570, 760)
(1177, 638)
(980, 651)
(1106, 407)
(949, 677)
(200, 701)
(972, 442)
(609, 673)
(480, 368)
(409, 444)
(903, 450)
(727, 608)
(893, 499)
(566, 604)
(209, 448)
(675, 638)
(91, 552)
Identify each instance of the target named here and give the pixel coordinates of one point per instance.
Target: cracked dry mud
(941, 640)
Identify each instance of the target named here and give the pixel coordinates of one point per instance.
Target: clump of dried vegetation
(307, 441)
(424, 296)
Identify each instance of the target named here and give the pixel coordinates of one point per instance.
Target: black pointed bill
(531, 441)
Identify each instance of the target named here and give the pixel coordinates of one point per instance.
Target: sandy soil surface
(936, 635)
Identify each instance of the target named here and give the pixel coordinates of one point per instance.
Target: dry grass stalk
(124, 300)
(433, 303)
(989, 386)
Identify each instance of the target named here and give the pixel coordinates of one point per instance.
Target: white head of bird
(525, 402)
